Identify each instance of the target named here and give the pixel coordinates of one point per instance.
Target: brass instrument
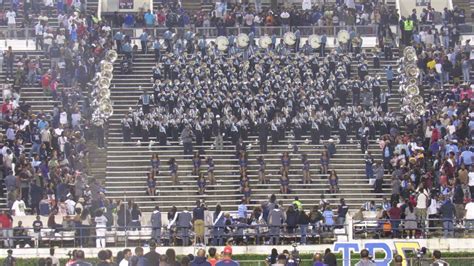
(412, 90)
(264, 42)
(419, 109)
(416, 100)
(289, 38)
(104, 93)
(343, 36)
(412, 71)
(412, 81)
(314, 41)
(111, 56)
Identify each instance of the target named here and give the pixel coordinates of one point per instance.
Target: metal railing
(426, 228)
(68, 235)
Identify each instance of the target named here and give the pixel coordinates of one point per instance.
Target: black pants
(39, 42)
(390, 85)
(315, 136)
(343, 136)
(100, 137)
(263, 145)
(157, 55)
(321, 49)
(188, 148)
(126, 134)
(144, 48)
(119, 45)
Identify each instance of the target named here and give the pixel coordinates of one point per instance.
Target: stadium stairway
(191, 6)
(127, 164)
(468, 6)
(92, 6)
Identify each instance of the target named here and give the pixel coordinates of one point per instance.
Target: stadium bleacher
(123, 166)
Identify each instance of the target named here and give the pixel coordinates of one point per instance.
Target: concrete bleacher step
(128, 164)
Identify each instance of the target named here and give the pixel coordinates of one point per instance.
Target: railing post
(26, 36)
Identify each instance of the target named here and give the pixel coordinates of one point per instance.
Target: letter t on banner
(346, 251)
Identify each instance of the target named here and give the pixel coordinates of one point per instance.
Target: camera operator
(437, 261)
(294, 258)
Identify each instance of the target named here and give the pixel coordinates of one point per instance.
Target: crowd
(430, 163)
(253, 15)
(202, 93)
(127, 257)
(25, 14)
(53, 177)
(264, 224)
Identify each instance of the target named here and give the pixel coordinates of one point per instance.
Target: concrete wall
(406, 6)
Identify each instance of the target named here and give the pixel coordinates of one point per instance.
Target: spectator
(198, 222)
(6, 222)
(303, 221)
(410, 222)
(19, 207)
(151, 185)
(218, 224)
(200, 259)
(139, 259)
(329, 258)
(448, 212)
(328, 218)
(80, 259)
(54, 260)
(365, 260)
(275, 220)
(437, 261)
(183, 225)
(398, 260)
(324, 161)
(155, 221)
(227, 258)
(318, 260)
(101, 225)
(152, 256)
(333, 182)
(342, 210)
(10, 260)
(469, 216)
(171, 258)
(272, 259)
(127, 255)
(213, 258)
